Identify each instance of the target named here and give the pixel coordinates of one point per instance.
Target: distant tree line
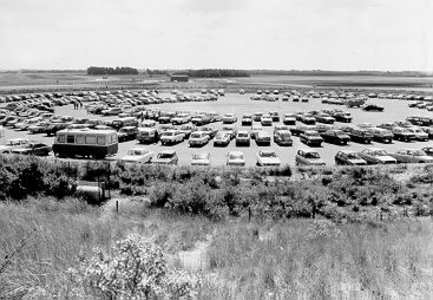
(203, 73)
(111, 71)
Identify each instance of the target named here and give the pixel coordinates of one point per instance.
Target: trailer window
(114, 141)
(80, 139)
(70, 139)
(101, 140)
(91, 140)
(61, 139)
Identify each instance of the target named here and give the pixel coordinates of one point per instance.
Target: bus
(85, 143)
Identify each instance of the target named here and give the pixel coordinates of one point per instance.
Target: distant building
(179, 78)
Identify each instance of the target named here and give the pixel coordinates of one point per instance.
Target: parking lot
(239, 104)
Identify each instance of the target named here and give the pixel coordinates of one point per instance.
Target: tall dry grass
(68, 229)
(308, 259)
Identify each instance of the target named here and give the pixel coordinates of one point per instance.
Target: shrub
(134, 269)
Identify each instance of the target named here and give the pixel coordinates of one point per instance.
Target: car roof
(236, 153)
(346, 151)
(374, 149)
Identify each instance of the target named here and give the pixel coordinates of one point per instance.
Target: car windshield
(243, 134)
(312, 155)
(352, 155)
(200, 156)
(165, 155)
(380, 153)
(268, 154)
(340, 132)
(236, 156)
(136, 152)
(419, 153)
(312, 133)
(286, 134)
(168, 133)
(196, 135)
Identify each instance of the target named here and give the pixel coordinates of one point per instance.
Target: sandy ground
(239, 104)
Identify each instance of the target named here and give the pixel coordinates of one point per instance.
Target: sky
(385, 35)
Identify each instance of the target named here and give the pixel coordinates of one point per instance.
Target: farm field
(234, 103)
(359, 81)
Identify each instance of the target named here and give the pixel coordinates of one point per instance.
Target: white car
(198, 138)
(267, 159)
(235, 158)
(171, 137)
(254, 130)
(229, 118)
(138, 155)
(420, 134)
(200, 159)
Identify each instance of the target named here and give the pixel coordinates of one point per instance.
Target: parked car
(342, 116)
(377, 156)
(275, 116)
(382, 135)
(181, 119)
(267, 159)
(210, 131)
(168, 157)
(114, 111)
(254, 129)
(247, 120)
(289, 119)
(127, 133)
(187, 130)
(311, 138)
(222, 138)
(283, 138)
(372, 107)
(361, 136)
(266, 120)
(243, 138)
(52, 129)
(300, 129)
(428, 150)
(429, 131)
(198, 138)
(39, 127)
(235, 159)
(14, 143)
(231, 129)
(323, 118)
(348, 157)
(257, 116)
(138, 155)
(420, 135)
(200, 159)
(170, 137)
(147, 135)
(229, 118)
(33, 148)
(388, 125)
(200, 120)
(336, 136)
(411, 156)
(309, 158)
(263, 138)
(308, 119)
(402, 134)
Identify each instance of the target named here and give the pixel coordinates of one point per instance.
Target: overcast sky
(246, 34)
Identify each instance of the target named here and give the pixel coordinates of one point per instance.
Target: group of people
(78, 104)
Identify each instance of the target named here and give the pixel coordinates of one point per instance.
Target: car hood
(270, 160)
(131, 158)
(316, 161)
(236, 161)
(162, 160)
(385, 158)
(203, 162)
(357, 161)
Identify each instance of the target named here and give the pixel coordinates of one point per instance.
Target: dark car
(37, 149)
(382, 135)
(402, 134)
(308, 119)
(342, 116)
(372, 107)
(311, 138)
(187, 130)
(200, 120)
(348, 157)
(336, 136)
(361, 136)
(325, 119)
(127, 133)
(52, 129)
(420, 121)
(300, 129)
